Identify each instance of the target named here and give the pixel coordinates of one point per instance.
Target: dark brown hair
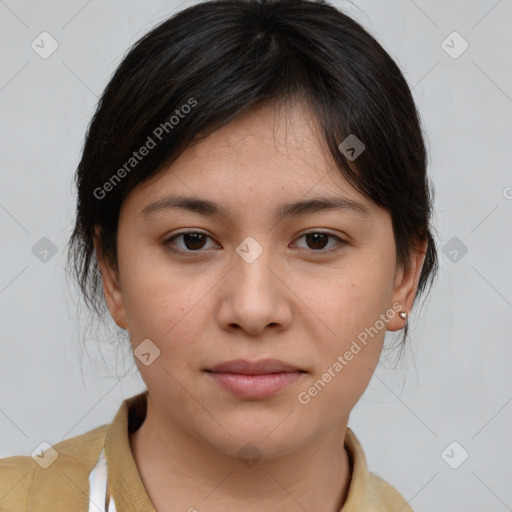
(229, 56)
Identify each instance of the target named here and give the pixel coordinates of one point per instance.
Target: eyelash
(168, 242)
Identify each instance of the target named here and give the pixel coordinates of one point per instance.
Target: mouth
(261, 367)
(254, 379)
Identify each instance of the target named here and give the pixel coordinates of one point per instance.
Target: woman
(253, 208)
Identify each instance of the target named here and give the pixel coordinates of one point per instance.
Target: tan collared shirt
(63, 486)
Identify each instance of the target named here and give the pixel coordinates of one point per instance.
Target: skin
(294, 303)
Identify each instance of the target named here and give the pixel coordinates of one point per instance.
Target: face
(314, 287)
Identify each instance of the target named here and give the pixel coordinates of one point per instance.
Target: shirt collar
(129, 493)
(125, 484)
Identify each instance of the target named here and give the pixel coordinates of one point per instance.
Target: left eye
(193, 241)
(319, 240)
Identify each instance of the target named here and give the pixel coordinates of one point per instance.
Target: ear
(406, 285)
(111, 284)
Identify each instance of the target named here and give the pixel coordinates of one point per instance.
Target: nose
(254, 294)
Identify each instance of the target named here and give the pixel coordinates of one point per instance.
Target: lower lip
(255, 386)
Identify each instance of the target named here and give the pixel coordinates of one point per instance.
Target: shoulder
(58, 475)
(390, 498)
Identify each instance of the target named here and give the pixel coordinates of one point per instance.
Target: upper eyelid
(307, 232)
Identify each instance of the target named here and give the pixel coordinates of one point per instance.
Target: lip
(254, 379)
(261, 367)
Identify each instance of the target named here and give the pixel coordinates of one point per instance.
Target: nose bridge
(252, 261)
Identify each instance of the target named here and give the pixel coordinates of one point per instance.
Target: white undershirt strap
(98, 487)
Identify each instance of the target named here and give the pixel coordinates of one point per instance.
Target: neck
(182, 472)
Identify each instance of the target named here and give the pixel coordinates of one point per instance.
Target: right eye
(192, 241)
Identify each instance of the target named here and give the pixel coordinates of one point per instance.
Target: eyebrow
(303, 207)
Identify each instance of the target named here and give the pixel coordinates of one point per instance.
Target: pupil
(192, 238)
(315, 238)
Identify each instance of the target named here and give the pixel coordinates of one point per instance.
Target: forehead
(273, 152)
(285, 137)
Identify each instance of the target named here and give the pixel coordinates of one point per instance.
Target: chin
(262, 440)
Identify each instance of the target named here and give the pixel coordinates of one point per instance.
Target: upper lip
(263, 366)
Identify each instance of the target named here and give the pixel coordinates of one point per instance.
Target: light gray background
(455, 381)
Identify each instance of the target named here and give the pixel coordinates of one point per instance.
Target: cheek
(352, 302)
(165, 305)
(347, 355)
(173, 322)
(352, 306)
(154, 291)
(332, 395)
